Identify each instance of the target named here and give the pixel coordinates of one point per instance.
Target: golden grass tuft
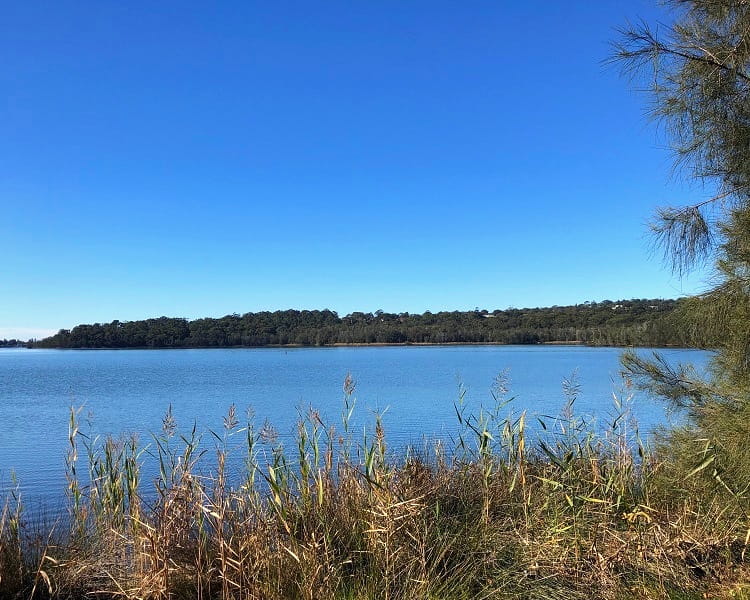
(568, 514)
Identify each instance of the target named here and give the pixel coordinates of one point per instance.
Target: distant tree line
(13, 343)
(620, 323)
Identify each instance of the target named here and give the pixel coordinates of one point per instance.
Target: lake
(414, 387)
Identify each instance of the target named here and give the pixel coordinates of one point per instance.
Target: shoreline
(363, 345)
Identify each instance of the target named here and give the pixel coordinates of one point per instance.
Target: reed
(565, 512)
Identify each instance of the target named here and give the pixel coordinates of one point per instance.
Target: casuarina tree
(696, 73)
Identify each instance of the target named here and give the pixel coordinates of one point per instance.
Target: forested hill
(623, 322)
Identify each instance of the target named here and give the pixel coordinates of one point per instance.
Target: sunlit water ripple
(414, 387)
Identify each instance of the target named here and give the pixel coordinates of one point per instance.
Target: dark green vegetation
(13, 343)
(698, 76)
(625, 322)
(570, 515)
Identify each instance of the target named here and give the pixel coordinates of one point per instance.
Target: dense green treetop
(696, 72)
(624, 322)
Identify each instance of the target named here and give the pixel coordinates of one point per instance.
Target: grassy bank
(494, 513)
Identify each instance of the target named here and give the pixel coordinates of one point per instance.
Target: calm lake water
(416, 387)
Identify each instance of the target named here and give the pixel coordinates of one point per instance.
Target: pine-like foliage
(697, 73)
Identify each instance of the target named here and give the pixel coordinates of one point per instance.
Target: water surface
(415, 387)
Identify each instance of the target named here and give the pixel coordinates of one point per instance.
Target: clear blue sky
(198, 159)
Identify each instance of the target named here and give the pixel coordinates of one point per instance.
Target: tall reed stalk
(562, 511)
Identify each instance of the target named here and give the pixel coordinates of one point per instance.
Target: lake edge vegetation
(639, 322)
(571, 512)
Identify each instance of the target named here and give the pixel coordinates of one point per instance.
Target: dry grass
(572, 515)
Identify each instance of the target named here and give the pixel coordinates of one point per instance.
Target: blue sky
(199, 159)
